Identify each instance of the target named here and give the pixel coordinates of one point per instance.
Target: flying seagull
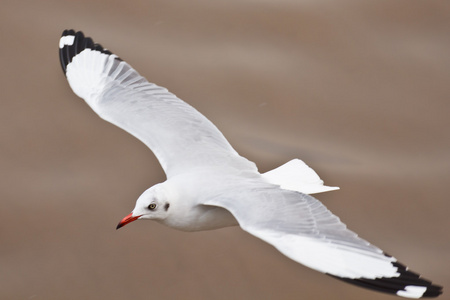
(209, 185)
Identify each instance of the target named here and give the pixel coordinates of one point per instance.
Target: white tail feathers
(295, 175)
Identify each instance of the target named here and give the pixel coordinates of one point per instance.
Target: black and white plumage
(209, 185)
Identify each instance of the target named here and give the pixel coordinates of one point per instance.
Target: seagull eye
(151, 206)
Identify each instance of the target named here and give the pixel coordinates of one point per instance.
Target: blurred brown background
(357, 89)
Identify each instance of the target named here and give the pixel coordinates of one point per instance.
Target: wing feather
(303, 229)
(180, 137)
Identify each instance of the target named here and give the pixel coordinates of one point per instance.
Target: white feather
(295, 175)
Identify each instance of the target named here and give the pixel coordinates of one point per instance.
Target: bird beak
(126, 220)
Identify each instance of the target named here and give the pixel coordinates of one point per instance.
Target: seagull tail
(295, 175)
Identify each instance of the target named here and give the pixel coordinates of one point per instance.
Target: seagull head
(152, 205)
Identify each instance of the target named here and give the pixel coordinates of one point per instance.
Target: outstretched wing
(179, 136)
(303, 229)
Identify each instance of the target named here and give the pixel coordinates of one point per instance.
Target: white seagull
(209, 185)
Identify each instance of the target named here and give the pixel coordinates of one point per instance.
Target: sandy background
(358, 89)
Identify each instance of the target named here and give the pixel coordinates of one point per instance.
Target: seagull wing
(303, 229)
(180, 137)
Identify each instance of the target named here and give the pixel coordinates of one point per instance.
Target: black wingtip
(398, 285)
(72, 43)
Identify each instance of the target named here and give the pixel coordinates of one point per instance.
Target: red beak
(126, 220)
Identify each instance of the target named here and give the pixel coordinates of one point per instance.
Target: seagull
(210, 186)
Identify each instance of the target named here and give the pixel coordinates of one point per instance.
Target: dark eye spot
(151, 206)
(166, 207)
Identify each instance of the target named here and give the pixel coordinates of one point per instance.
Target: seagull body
(209, 185)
